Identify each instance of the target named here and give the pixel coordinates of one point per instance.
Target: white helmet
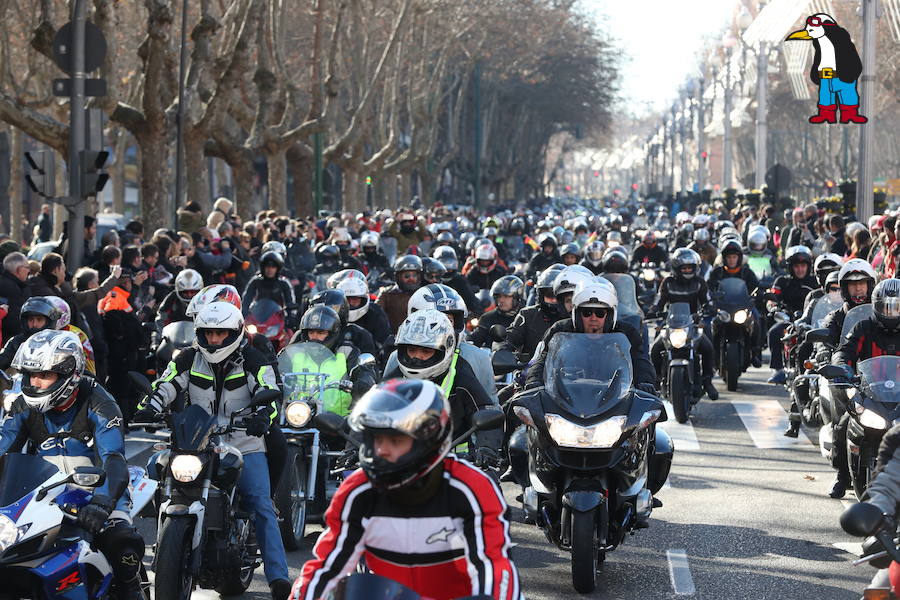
(219, 315)
(570, 277)
(429, 329)
(65, 313)
(219, 292)
(354, 285)
(274, 246)
(188, 280)
(599, 293)
(57, 351)
(369, 238)
(442, 298)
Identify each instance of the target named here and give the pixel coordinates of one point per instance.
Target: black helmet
(336, 301)
(509, 285)
(615, 261)
(432, 270)
(408, 262)
(545, 284)
(321, 317)
(271, 258)
(886, 304)
(570, 248)
(685, 263)
(414, 407)
(547, 239)
(39, 306)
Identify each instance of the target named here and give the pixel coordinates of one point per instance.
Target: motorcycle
(204, 538)
(594, 455)
(732, 329)
(364, 586)
(681, 367)
(267, 317)
(175, 336)
(880, 549)
(650, 276)
(43, 552)
(313, 382)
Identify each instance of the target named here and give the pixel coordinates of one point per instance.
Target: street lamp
(728, 42)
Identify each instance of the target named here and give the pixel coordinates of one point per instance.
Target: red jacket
(454, 544)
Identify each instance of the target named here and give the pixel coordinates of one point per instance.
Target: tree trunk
(300, 164)
(427, 182)
(15, 187)
(118, 174)
(242, 172)
(195, 175)
(352, 192)
(277, 181)
(155, 202)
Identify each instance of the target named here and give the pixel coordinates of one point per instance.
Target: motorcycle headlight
(870, 419)
(649, 274)
(298, 414)
(186, 467)
(724, 316)
(601, 435)
(252, 329)
(851, 392)
(9, 533)
(740, 317)
(678, 337)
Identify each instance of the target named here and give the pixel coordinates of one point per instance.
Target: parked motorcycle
(595, 456)
(43, 551)
(732, 330)
(681, 365)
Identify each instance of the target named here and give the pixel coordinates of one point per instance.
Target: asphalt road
(746, 515)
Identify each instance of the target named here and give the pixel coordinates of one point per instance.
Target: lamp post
(701, 138)
(728, 42)
(865, 201)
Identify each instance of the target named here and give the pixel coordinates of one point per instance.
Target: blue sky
(660, 39)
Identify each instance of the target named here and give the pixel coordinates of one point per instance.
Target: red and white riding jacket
(455, 544)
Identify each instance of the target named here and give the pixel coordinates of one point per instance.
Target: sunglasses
(816, 22)
(600, 313)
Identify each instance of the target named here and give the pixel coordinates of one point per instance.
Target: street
(746, 515)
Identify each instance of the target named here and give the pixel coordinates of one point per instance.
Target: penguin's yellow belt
(827, 74)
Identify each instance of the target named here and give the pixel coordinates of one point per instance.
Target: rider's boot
(280, 589)
(710, 389)
(793, 430)
(840, 486)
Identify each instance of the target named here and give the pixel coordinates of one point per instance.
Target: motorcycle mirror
(862, 519)
(88, 476)
(821, 336)
(141, 382)
(329, 422)
(488, 418)
(266, 397)
(498, 332)
(832, 372)
(503, 362)
(365, 359)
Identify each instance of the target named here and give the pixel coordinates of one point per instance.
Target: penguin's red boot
(849, 114)
(827, 114)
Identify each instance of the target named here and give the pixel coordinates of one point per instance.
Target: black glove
(257, 425)
(647, 387)
(93, 517)
(486, 458)
(145, 415)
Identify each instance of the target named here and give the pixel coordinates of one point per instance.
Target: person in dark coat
(14, 287)
(45, 224)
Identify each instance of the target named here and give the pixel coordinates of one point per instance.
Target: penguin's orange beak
(799, 35)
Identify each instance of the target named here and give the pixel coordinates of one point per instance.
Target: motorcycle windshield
(586, 372)
(761, 266)
(679, 316)
(191, 428)
(857, 314)
(824, 306)
(733, 294)
(306, 369)
(879, 378)
(20, 474)
(262, 310)
(180, 333)
(626, 293)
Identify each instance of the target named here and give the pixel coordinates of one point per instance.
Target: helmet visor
(889, 307)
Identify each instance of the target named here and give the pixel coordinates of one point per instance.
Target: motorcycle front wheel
(733, 362)
(173, 560)
(586, 557)
(236, 581)
(679, 394)
(861, 468)
(290, 499)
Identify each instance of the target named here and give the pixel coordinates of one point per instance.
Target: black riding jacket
(541, 261)
(529, 327)
(278, 289)
(792, 292)
(481, 336)
(867, 340)
(656, 254)
(746, 273)
(674, 289)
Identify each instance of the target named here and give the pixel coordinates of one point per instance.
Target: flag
(534, 245)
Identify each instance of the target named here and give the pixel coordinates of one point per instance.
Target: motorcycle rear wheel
(733, 363)
(679, 394)
(173, 560)
(290, 499)
(586, 558)
(236, 581)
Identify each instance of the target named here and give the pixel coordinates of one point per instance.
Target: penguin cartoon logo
(835, 69)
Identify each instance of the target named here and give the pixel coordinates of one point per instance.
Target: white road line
(766, 421)
(854, 548)
(133, 448)
(680, 573)
(681, 433)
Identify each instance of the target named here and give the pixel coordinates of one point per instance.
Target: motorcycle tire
(290, 499)
(733, 362)
(862, 474)
(586, 558)
(679, 394)
(236, 581)
(173, 560)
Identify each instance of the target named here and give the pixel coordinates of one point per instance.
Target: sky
(660, 40)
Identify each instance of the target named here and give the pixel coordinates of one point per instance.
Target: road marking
(854, 548)
(196, 594)
(134, 447)
(681, 433)
(680, 573)
(766, 422)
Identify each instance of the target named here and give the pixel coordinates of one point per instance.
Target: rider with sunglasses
(594, 306)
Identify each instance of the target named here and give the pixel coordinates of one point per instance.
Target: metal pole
(76, 135)
(179, 152)
(662, 172)
(476, 188)
(726, 138)
(672, 140)
(701, 139)
(317, 153)
(865, 202)
(683, 184)
(762, 127)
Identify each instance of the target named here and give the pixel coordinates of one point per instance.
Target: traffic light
(704, 155)
(40, 175)
(634, 186)
(368, 180)
(93, 179)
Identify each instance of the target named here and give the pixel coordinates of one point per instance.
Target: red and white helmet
(486, 257)
(213, 293)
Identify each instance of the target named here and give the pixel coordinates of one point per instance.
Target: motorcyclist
(362, 311)
(733, 266)
(823, 265)
(372, 257)
(593, 257)
(594, 308)
(487, 268)
(269, 283)
(393, 299)
(547, 255)
(759, 258)
(187, 283)
(427, 348)
(508, 293)
(58, 397)
(702, 246)
(329, 261)
(37, 314)
(223, 354)
(341, 238)
(356, 335)
(448, 257)
(649, 251)
(528, 328)
(456, 540)
(685, 285)
(790, 290)
(570, 253)
(564, 286)
(433, 271)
